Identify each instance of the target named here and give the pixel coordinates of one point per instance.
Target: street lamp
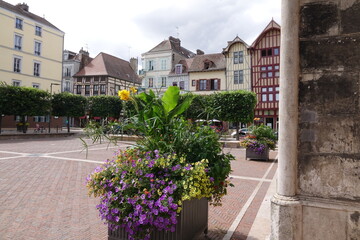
(51, 84)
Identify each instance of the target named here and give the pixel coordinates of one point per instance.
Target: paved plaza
(43, 193)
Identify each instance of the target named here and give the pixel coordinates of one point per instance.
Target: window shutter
(197, 85)
(219, 86)
(208, 84)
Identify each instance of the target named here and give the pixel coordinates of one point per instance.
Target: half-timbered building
(106, 75)
(265, 58)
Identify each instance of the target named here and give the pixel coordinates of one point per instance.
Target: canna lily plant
(144, 187)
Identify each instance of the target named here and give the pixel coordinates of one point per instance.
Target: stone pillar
(285, 206)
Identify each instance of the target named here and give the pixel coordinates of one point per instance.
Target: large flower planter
(251, 154)
(193, 221)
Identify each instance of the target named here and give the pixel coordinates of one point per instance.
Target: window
(78, 89)
(238, 57)
(87, 79)
(277, 96)
(163, 81)
(17, 64)
(102, 89)
(38, 31)
(238, 77)
(18, 42)
(269, 71)
(151, 65)
(36, 85)
(264, 97)
(193, 83)
(271, 97)
(16, 83)
(178, 69)
(214, 85)
(202, 85)
(67, 72)
(276, 51)
(19, 23)
(175, 84)
(182, 85)
(36, 69)
(41, 118)
(96, 90)
(163, 64)
(67, 86)
(87, 90)
(151, 82)
(37, 48)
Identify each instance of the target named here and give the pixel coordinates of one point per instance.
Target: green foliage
(263, 132)
(105, 106)
(200, 108)
(24, 101)
(235, 106)
(68, 104)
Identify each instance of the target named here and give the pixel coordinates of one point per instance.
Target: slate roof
(230, 43)
(216, 60)
(173, 44)
(18, 10)
(270, 26)
(107, 65)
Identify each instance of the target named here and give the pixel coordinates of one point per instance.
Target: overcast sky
(128, 28)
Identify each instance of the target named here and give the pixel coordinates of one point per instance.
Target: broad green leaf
(170, 98)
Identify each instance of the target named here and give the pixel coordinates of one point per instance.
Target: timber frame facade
(265, 65)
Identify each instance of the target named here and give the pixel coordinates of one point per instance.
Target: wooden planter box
(193, 221)
(250, 154)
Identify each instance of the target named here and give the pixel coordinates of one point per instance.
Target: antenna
(177, 32)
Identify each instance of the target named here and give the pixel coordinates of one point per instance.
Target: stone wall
(326, 203)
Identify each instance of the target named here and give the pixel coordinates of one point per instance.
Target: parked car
(242, 132)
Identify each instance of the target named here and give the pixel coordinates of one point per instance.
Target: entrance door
(270, 122)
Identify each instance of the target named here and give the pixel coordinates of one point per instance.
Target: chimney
(134, 64)
(83, 52)
(199, 52)
(176, 42)
(23, 6)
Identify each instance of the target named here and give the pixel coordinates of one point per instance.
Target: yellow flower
(124, 95)
(133, 89)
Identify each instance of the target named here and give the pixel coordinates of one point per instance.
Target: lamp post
(51, 84)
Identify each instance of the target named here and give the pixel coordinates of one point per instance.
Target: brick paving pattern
(43, 193)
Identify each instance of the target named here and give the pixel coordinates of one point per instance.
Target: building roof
(208, 62)
(173, 44)
(271, 26)
(230, 43)
(186, 65)
(107, 65)
(23, 9)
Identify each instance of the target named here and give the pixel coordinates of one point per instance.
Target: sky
(128, 28)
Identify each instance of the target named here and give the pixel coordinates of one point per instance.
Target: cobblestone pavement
(43, 193)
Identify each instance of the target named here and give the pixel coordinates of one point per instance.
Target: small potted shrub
(160, 188)
(259, 141)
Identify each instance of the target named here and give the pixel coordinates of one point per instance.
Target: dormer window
(208, 64)
(178, 69)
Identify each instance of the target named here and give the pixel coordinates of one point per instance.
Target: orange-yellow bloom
(133, 89)
(124, 95)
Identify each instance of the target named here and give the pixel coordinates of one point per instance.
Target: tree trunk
(68, 124)
(237, 131)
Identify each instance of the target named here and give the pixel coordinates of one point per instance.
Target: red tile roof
(20, 11)
(107, 65)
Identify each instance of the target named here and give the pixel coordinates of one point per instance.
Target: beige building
(207, 73)
(31, 49)
(238, 65)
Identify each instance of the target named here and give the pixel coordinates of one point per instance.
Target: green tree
(235, 106)
(24, 101)
(200, 108)
(105, 106)
(68, 105)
